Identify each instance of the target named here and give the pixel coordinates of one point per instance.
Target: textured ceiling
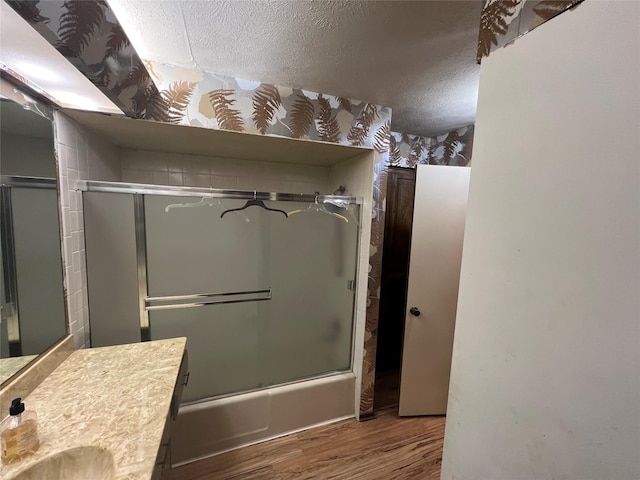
(416, 57)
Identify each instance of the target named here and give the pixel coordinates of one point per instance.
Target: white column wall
(545, 378)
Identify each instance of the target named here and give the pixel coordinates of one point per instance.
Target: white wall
(82, 155)
(545, 379)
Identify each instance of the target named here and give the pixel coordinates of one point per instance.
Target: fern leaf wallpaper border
(503, 21)
(88, 34)
(452, 148)
(229, 103)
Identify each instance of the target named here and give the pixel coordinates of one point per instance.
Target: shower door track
(148, 189)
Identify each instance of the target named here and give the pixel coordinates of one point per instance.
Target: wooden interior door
(395, 267)
(432, 294)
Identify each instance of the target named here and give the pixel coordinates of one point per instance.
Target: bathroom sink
(80, 463)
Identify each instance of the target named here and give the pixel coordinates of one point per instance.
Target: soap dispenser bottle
(18, 433)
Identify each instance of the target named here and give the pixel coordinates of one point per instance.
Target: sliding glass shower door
(263, 299)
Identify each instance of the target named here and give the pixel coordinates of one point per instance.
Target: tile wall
(198, 171)
(81, 155)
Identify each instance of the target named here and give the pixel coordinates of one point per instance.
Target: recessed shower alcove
(272, 300)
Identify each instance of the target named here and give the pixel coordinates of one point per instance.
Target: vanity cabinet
(163, 460)
(123, 402)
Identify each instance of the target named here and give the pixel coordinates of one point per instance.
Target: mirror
(32, 295)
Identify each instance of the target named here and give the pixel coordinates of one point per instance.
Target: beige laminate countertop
(115, 397)
(9, 366)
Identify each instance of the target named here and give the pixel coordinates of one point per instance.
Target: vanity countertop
(114, 397)
(9, 366)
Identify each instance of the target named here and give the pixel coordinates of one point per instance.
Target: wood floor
(384, 448)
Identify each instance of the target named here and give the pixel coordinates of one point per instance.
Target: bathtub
(212, 427)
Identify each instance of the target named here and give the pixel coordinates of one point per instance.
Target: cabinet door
(163, 460)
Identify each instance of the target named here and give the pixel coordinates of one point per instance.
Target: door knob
(415, 311)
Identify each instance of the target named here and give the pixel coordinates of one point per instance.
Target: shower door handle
(203, 299)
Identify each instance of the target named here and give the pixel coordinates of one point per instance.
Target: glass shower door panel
(193, 250)
(222, 341)
(309, 262)
(312, 260)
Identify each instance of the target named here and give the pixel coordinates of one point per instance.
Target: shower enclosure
(263, 298)
(31, 291)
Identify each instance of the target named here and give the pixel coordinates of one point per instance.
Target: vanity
(106, 413)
